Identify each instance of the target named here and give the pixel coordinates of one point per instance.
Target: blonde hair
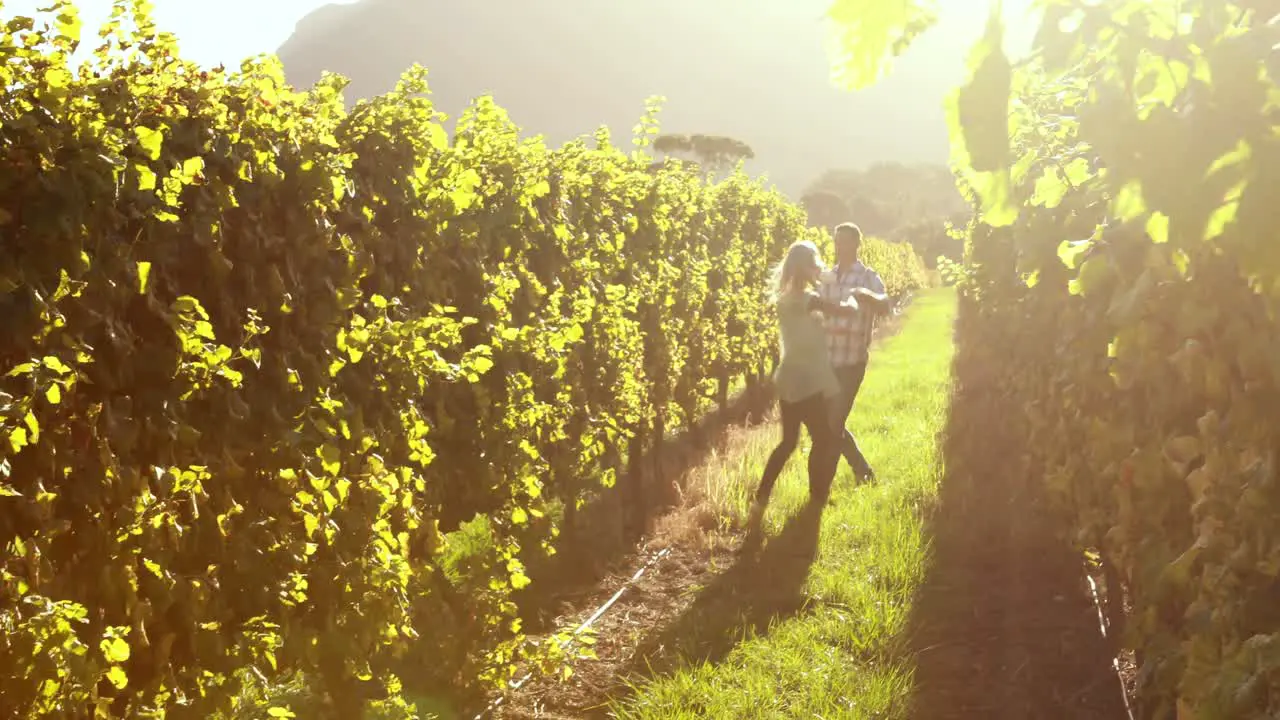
(802, 255)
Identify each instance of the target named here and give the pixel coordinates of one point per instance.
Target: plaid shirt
(849, 338)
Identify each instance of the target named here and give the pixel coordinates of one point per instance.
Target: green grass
(832, 642)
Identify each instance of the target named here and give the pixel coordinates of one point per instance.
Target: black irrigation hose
(1103, 626)
(586, 624)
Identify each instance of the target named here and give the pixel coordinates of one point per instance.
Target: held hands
(878, 303)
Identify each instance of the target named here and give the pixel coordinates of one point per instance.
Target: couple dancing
(825, 320)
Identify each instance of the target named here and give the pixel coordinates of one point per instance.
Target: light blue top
(805, 367)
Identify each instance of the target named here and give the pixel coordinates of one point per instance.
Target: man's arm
(847, 308)
(873, 295)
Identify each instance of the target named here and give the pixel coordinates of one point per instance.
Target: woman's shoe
(755, 518)
(752, 543)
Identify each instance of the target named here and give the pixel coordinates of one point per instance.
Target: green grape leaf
(151, 141)
(144, 274)
(115, 649)
(1050, 189)
(146, 178)
(1158, 227)
(980, 122)
(1070, 251)
(863, 36)
(1128, 203)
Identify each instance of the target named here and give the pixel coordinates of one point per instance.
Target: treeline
(912, 204)
(1121, 289)
(262, 356)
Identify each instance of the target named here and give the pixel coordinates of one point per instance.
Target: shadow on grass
(761, 588)
(611, 526)
(1002, 627)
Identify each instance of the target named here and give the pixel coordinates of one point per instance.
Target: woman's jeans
(814, 412)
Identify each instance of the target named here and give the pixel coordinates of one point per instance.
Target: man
(849, 338)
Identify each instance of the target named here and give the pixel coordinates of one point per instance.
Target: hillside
(756, 71)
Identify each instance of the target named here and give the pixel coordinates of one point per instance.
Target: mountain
(755, 70)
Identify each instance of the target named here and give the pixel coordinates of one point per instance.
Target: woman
(804, 380)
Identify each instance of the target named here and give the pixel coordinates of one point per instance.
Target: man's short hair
(850, 230)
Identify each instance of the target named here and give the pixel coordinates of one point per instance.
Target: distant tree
(874, 216)
(714, 152)
(825, 209)
(719, 152)
(672, 144)
(930, 239)
(686, 165)
(890, 195)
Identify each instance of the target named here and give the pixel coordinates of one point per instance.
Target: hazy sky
(768, 68)
(226, 31)
(217, 32)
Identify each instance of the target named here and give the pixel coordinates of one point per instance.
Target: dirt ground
(665, 591)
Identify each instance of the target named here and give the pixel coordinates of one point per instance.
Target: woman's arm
(843, 309)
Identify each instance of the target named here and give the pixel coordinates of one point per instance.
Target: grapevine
(263, 358)
(1121, 284)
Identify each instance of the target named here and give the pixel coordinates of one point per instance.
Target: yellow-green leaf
(1158, 227)
(1078, 172)
(996, 192)
(32, 426)
(151, 141)
(191, 167)
(979, 111)
(1128, 203)
(144, 273)
(1220, 219)
(331, 459)
(115, 649)
(69, 24)
(57, 78)
(55, 364)
(1050, 189)
(437, 136)
(864, 35)
(117, 677)
(146, 177)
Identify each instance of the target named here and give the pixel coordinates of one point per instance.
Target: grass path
(939, 592)
(814, 625)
